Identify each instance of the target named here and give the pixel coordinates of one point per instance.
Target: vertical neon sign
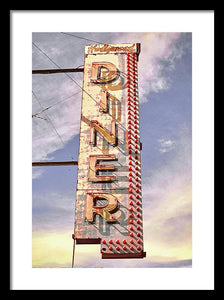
(109, 197)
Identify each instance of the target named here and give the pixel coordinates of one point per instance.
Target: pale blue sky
(165, 92)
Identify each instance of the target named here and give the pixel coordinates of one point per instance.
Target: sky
(165, 95)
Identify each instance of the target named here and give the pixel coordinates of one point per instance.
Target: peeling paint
(110, 128)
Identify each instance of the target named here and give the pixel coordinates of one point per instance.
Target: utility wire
(50, 121)
(65, 73)
(63, 100)
(69, 75)
(46, 55)
(79, 37)
(36, 116)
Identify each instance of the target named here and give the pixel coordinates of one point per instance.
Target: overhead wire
(36, 116)
(44, 109)
(71, 34)
(65, 72)
(63, 100)
(50, 121)
(69, 75)
(79, 37)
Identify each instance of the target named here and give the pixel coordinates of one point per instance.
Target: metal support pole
(50, 71)
(73, 252)
(54, 163)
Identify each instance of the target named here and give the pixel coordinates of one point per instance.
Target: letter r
(103, 211)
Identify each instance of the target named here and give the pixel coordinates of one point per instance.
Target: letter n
(110, 137)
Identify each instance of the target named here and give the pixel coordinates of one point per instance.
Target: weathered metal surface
(109, 199)
(52, 71)
(54, 163)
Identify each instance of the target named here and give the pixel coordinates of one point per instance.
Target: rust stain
(109, 198)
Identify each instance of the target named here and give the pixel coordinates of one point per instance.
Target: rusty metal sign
(109, 196)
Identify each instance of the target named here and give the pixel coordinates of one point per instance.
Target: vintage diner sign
(109, 196)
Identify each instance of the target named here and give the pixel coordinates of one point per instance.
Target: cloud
(53, 211)
(61, 122)
(157, 59)
(52, 249)
(60, 92)
(185, 263)
(37, 172)
(158, 52)
(166, 145)
(166, 188)
(167, 203)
